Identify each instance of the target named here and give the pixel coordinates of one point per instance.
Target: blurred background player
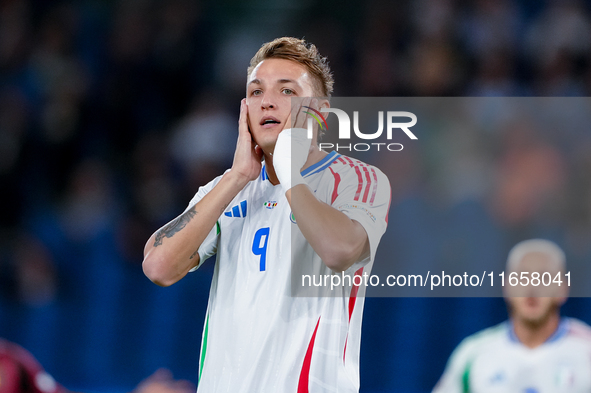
(537, 350)
(20, 372)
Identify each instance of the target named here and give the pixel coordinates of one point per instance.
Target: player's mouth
(269, 122)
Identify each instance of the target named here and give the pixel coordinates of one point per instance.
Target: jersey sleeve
(363, 193)
(456, 376)
(209, 245)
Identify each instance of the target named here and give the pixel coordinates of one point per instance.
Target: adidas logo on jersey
(237, 210)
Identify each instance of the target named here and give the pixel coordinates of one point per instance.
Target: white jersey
(494, 361)
(258, 336)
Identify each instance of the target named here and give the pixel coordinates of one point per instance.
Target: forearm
(338, 240)
(171, 251)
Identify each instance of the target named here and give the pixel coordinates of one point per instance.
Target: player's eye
(256, 92)
(288, 91)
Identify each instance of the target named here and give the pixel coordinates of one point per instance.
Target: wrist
(236, 179)
(295, 180)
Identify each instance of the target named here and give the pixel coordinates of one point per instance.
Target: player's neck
(314, 156)
(534, 335)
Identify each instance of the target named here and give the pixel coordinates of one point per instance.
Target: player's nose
(268, 101)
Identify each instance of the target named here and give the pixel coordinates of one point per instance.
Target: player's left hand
(292, 149)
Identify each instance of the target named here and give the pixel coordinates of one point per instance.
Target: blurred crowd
(112, 113)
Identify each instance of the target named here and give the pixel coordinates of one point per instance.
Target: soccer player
(327, 215)
(537, 350)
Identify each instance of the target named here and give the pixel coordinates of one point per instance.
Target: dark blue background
(93, 92)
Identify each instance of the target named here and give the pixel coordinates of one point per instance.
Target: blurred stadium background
(112, 113)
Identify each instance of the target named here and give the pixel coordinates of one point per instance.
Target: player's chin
(260, 135)
(536, 319)
(267, 144)
(537, 314)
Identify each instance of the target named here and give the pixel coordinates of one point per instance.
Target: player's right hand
(247, 157)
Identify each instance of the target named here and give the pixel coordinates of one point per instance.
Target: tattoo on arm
(194, 254)
(175, 226)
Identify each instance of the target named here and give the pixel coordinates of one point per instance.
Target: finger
(307, 108)
(293, 113)
(314, 103)
(288, 123)
(297, 111)
(311, 105)
(243, 120)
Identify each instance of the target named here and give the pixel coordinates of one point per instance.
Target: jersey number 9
(259, 246)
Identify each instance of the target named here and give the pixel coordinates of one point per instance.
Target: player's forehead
(273, 71)
(538, 261)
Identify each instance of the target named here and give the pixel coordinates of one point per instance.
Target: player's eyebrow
(288, 81)
(280, 81)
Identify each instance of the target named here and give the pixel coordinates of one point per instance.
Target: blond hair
(301, 52)
(521, 249)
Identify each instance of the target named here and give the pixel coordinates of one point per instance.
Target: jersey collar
(321, 165)
(559, 333)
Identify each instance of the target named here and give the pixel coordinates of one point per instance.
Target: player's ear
(507, 293)
(563, 294)
(324, 103)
